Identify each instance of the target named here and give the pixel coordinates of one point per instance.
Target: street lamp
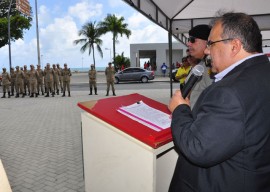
(110, 53)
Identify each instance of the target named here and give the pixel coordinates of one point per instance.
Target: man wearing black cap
(197, 41)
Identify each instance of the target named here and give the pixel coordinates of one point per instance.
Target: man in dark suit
(224, 142)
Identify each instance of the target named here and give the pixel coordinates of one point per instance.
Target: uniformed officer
(26, 80)
(5, 83)
(92, 73)
(12, 81)
(60, 77)
(40, 80)
(66, 80)
(56, 79)
(33, 77)
(19, 81)
(48, 76)
(109, 72)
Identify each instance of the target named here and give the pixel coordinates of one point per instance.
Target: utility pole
(37, 31)
(9, 43)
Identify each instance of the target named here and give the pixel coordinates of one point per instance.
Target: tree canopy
(91, 33)
(18, 23)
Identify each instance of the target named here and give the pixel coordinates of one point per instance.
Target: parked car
(134, 74)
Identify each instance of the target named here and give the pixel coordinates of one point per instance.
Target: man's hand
(176, 100)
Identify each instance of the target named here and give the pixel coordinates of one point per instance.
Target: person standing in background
(163, 69)
(5, 83)
(66, 80)
(33, 77)
(92, 73)
(109, 72)
(12, 81)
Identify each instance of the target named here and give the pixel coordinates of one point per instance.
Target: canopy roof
(180, 16)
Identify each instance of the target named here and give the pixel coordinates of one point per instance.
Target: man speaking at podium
(224, 142)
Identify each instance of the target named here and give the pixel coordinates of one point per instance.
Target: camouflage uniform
(40, 80)
(56, 79)
(109, 72)
(5, 83)
(66, 80)
(92, 73)
(33, 77)
(12, 81)
(60, 77)
(48, 76)
(19, 81)
(26, 80)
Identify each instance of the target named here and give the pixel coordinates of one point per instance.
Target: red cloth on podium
(106, 110)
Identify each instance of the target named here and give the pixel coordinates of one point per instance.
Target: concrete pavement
(40, 138)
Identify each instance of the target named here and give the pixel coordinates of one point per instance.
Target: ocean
(86, 69)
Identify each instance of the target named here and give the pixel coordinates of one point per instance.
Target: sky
(59, 22)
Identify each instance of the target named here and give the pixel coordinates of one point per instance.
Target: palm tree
(92, 34)
(116, 26)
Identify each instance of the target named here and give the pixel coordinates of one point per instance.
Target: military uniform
(92, 73)
(60, 77)
(12, 81)
(5, 83)
(33, 77)
(26, 80)
(49, 76)
(109, 72)
(66, 80)
(19, 81)
(56, 79)
(40, 80)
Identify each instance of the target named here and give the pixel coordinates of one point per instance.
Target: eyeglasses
(210, 43)
(192, 39)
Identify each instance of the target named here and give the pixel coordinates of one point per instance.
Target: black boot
(9, 95)
(63, 94)
(95, 91)
(12, 93)
(37, 94)
(47, 95)
(114, 93)
(58, 92)
(23, 95)
(53, 94)
(107, 93)
(32, 95)
(90, 91)
(42, 93)
(69, 93)
(4, 95)
(17, 95)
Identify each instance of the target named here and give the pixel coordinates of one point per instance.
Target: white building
(156, 53)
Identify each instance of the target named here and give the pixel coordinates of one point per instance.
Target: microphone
(196, 74)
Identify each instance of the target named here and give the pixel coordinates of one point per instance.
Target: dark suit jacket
(224, 143)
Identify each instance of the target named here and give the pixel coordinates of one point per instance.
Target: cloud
(85, 11)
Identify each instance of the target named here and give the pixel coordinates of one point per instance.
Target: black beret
(200, 32)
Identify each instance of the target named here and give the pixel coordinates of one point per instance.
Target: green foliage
(121, 60)
(18, 23)
(116, 26)
(91, 33)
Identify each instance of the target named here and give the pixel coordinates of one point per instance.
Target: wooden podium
(121, 154)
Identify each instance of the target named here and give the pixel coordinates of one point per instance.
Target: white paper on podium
(146, 115)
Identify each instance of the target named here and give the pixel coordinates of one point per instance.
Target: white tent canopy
(179, 16)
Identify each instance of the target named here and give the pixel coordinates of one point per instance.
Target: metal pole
(9, 43)
(37, 31)
(170, 56)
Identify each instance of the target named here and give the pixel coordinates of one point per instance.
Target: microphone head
(198, 70)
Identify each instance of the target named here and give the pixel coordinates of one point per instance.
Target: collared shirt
(222, 74)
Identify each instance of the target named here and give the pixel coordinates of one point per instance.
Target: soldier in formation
(33, 78)
(49, 80)
(40, 80)
(5, 83)
(12, 81)
(92, 79)
(19, 82)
